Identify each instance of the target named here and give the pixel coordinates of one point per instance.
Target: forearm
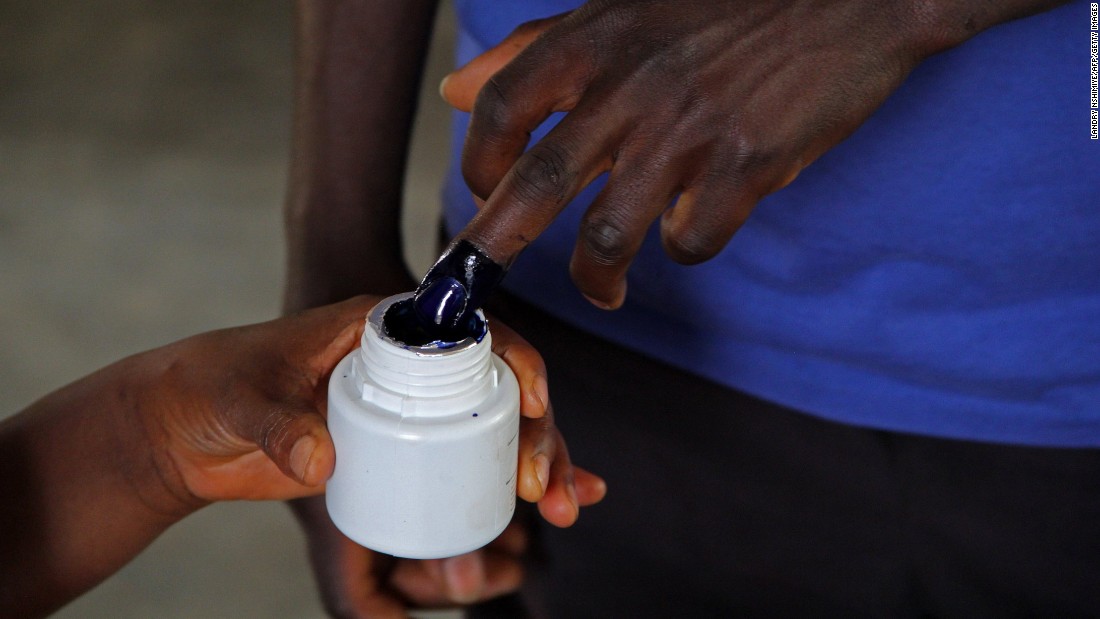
(83, 492)
(357, 75)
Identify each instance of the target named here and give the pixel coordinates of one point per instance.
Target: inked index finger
(542, 181)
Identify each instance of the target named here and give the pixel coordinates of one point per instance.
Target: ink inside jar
(402, 324)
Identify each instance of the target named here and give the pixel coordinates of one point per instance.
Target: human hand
(358, 582)
(94, 471)
(716, 102)
(239, 413)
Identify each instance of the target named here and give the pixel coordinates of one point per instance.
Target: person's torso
(938, 272)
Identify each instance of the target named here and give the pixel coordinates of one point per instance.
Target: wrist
(153, 474)
(335, 252)
(84, 489)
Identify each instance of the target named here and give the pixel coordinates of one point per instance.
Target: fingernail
(464, 576)
(300, 456)
(442, 302)
(542, 391)
(597, 303)
(601, 486)
(542, 470)
(443, 86)
(463, 278)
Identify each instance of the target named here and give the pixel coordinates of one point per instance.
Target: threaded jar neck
(421, 381)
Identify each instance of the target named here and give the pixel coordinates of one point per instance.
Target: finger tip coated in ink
(403, 324)
(441, 303)
(455, 288)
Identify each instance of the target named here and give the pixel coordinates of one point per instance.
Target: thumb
(296, 439)
(460, 88)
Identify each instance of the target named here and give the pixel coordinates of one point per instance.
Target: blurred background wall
(143, 155)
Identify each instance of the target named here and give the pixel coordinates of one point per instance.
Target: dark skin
(92, 473)
(351, 125)
(713, 104)
(343, 228)
(718, 103)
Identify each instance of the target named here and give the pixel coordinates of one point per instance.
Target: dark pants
(723, 505)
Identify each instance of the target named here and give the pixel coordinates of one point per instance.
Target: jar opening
(401, 325)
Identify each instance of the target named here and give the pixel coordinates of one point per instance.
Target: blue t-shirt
(937, 273)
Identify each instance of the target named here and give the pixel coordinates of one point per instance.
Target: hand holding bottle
(96, 470)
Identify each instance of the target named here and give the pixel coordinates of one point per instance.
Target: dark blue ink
(440, 301)
(455, 288)
(401, 323)
(475, 414)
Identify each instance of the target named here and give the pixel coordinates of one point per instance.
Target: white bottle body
(426, 443)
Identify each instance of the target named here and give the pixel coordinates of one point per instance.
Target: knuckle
(691, 245)
(688, 248)
(605, 242)
(719, 210)
(747, 159)
(545, 174)
(277, 427)
(493, 106)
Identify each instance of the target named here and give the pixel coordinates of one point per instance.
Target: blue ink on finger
(441, 301)
(403, 325)
(456, 286)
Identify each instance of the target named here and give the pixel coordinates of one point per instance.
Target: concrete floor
(143, 150)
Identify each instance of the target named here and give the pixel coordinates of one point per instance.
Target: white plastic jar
(426, 440)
